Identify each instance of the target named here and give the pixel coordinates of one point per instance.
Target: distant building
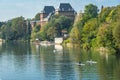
(46, 14)
(64, 9)
(34, 22)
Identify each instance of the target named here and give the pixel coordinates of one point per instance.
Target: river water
(23, 61)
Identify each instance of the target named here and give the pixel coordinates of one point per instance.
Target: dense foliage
(91, 29)
(53, 28)
(37, 16)
(1, 23)
(35, 32)
(91, 11)
(98, 30)
(16, 29)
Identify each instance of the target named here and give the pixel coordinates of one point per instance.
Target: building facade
(45, 14)
(64, 9)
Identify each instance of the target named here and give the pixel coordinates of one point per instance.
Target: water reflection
(23, 61)
(58, 49)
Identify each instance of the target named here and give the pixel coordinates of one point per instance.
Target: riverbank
(98, 49)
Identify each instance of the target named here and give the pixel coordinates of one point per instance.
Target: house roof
(48, 9)
(65, 7)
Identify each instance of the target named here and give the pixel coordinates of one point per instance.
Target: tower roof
(65, 7)
(48, 9)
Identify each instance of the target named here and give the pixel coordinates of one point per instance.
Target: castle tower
(45, 13)
(66, 9)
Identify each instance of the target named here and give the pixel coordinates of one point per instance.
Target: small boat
(80, 64)
(91, 62)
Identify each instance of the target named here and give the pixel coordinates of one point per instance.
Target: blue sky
(28, 8)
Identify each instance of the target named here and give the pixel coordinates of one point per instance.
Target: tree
(19, 28)
(91, 11)
(29, 29)
(36, 28)
(15, 29)
(75, 35)
(104, 14)
(6, 32)
(1, 23)
(37, 16)
(36, 32)
(89, 32)
(116, 34)
(51, 33)
(56, 24)
(76, 31)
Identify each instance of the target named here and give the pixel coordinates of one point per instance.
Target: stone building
(45, 14)
(64, 9)
(34, 22)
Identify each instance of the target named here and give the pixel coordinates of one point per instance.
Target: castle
(64, 9)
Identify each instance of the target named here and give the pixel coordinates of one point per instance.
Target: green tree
(89, 32)
(37, 16)
(116, 34)
(29, 29)
(57, 23)
(6, 32)
(19, 28)
(75, 35)
(36, 32)
(15, 29)
(1, 23)
(91, 11)
(36, 28)
(76, 31)
(52, 33)
(104, 14)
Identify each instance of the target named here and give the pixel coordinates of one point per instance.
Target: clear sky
(28, 8)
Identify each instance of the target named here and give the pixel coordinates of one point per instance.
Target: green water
(23, 61)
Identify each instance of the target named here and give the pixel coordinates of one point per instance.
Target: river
(23, 61)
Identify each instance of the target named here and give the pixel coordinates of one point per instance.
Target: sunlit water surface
(22, 61)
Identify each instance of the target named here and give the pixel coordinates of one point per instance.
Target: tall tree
(15, 29)
(37, 16)
(1, 23)
(57, 23)
(116, 34)
(91, 11)
(75, 35)
(29, 29)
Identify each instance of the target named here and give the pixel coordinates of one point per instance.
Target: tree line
(97, 29)
(92, 29)
(15, 29)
